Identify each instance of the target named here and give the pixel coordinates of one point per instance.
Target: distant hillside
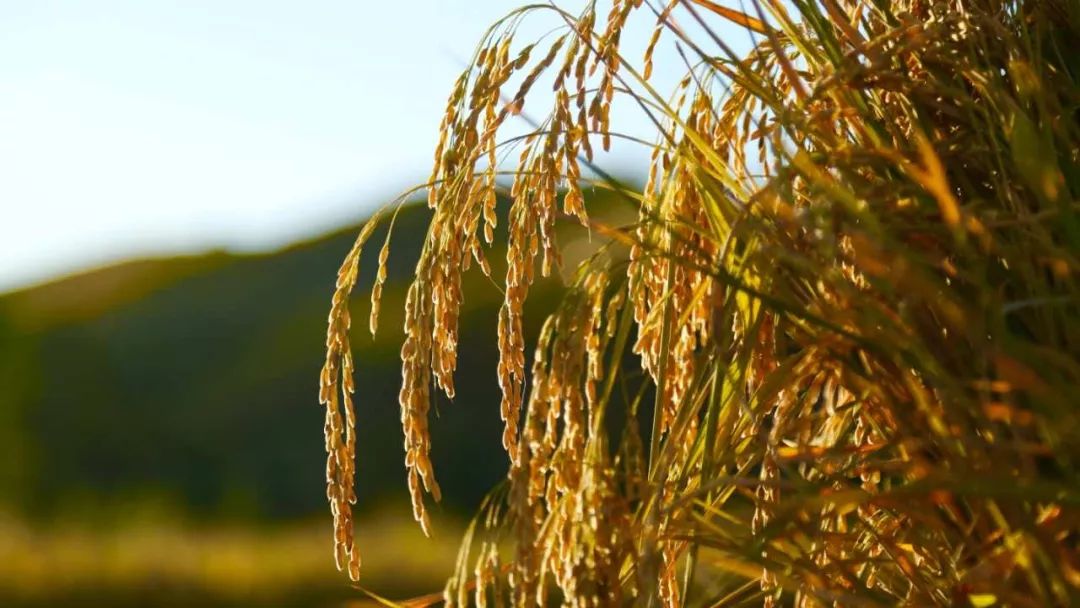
(194, 380)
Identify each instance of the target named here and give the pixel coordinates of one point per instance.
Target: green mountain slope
(193, 381)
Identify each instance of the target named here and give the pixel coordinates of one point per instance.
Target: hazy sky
(149, 126)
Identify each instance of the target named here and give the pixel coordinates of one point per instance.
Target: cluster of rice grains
(335, 391)
(853, 306)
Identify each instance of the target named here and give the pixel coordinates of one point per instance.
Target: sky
(145, 127)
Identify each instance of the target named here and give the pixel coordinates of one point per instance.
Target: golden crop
(851, 291)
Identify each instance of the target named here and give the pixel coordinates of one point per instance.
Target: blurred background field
(155, 561)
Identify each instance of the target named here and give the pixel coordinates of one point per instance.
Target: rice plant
(835, 361)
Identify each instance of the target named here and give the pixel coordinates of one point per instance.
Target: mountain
(192, 381)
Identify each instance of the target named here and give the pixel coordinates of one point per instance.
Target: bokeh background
(180, 183)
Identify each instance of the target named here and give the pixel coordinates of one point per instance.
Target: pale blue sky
(145, 127)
